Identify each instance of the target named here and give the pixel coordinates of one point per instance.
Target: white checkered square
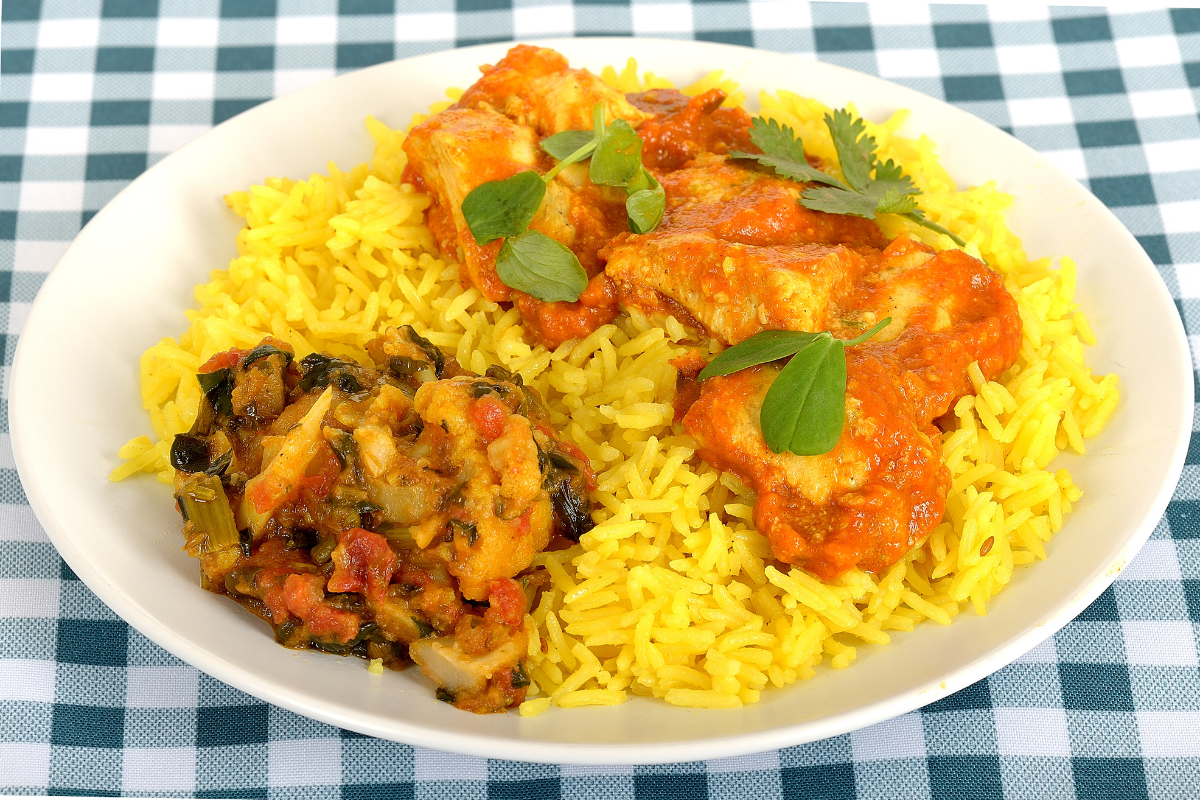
(662, 18)
(1032, 732)
(757, 762)
(289, 80)
(1028, 59)
(29, 598)
(434, 765)
(779, 15)
(891, 13)
(555, 20)
(1156, 561)
(1040, 111)
(305, 762)
(27, 680)
(306, 30)
(168, 138)
(54, 33)
(188, 32)
(51, 196)
(34, 256)
(24, 763)
(18, 523)
(162, 687)
(1169, 734)
(61, 87)
(1177, 156)
(1182, 217)
(902, 737)
(1148, 51)
(425, 27)
(914, 63)
(158, 770)
(1162, 103)
(183, 85)
(71, 141)
(1159, 643)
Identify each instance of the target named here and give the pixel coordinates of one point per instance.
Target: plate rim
(473, 743)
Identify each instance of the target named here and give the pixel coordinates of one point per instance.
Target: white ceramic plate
(127, 278)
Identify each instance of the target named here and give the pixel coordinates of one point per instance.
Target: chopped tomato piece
(364, 563)
(488, 414)
(230, 358)
(506, 602)
(304, 595)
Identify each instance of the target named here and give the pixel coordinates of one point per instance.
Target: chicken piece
(948, 309)
(684, 127)
(865, 503)
(736, 253)
(732, 291)
(534, 86)
(452, 153)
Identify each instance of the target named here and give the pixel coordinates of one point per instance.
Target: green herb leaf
(839, 201)
(646, 202)
(761, 348)
(618, 156)
(497, 209)
(805, 408)
(894, 202)
(856, 150)
(564, 145)
(537, 265)
(889, 191)
(782, 151)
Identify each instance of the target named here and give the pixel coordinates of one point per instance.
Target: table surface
(92, 92)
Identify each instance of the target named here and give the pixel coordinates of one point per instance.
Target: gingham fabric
(93, 92)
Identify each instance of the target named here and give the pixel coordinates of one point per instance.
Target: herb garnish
(805, 407)
(532, 262)
(890, 191)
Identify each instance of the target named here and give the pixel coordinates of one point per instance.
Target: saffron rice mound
(673, 594)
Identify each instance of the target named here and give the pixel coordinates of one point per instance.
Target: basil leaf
(564, 145)
(497, 209)
(537, 265)
(761, 348)
(645, 209)
(618, 156)
(805, 408)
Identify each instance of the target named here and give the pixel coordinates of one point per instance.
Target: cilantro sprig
(534, 263)
(871, 187)
(804, 409)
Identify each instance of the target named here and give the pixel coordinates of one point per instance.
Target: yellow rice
(673, 594)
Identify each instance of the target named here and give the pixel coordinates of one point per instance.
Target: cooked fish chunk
(739, 254)
(534, 86)
(947, 308)
(454, 152)
(729, 290)
(865, 503)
